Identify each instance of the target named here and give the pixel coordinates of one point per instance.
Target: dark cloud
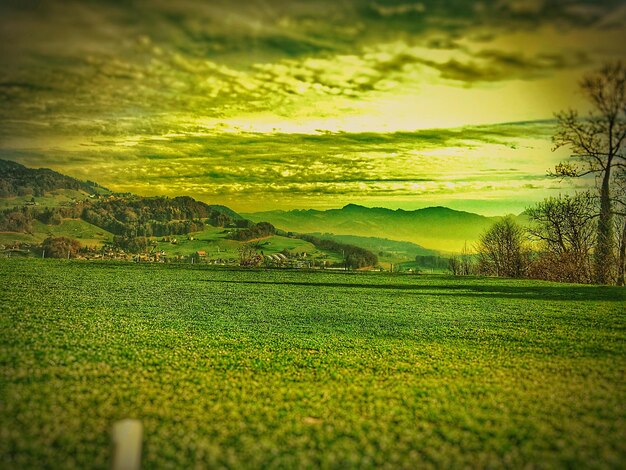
(357, 160)
(495, 66)
(458, 15)
(90, 80)
(263, 31)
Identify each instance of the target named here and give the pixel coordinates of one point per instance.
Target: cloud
(495, 65)
(400, 9)
(110, 68)
(144, 94)
(352, 164)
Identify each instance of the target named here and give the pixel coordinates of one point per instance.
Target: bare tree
(565, 231)
(248, 256)
(467, 264)
(620, 223)
(597, 143)
(501, 249)
(454, 265)
(620, 239)
(462, 265)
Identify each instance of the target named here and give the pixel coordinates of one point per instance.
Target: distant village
(247, 256)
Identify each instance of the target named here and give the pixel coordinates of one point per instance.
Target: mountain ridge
(353, 207)
(437, 227)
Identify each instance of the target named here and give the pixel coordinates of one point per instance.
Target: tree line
(558, 244)
(252, 231)
(354, 257)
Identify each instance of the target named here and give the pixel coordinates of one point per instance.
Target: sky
(282, 104)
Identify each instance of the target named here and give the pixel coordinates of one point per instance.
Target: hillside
(388, 251)
(19, 181)
(36, 201)
(437, 228)
(39, 203)
(86, 233)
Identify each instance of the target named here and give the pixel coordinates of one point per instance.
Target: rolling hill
(29, 195)
(40, 203)
(16, 180)
(388, 251)
(437, 228)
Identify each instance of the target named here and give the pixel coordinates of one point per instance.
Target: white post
(127, 437)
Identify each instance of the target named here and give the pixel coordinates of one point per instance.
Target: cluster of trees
(144, 228)
(131, 216)
(220, 219)
(502, 251)
(160, 208)
(60, 247)
(146, 217)
(16, 220)
(564, 232)
(259, 230)
(49, 216)
(131, 244)
(354, 256)
(462, 265)
(20, 219)
(248, 256)
(581, 237)
(558, 245)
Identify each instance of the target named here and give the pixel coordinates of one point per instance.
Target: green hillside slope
(18, 180)
(87, 234)
(388, 251)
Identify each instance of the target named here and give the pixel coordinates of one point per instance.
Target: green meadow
(294, 369)
(213, 241)
(84, 232)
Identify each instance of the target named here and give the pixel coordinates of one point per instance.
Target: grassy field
(86, 233)
(54, 198)
(277, 244)
(289, 369)
(212, 240)
(389, 252)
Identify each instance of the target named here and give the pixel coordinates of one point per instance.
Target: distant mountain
(438, 228)
(18, 180)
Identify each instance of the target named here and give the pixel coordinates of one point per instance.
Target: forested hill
(41, 195)
(18, 180)
(154, 216)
